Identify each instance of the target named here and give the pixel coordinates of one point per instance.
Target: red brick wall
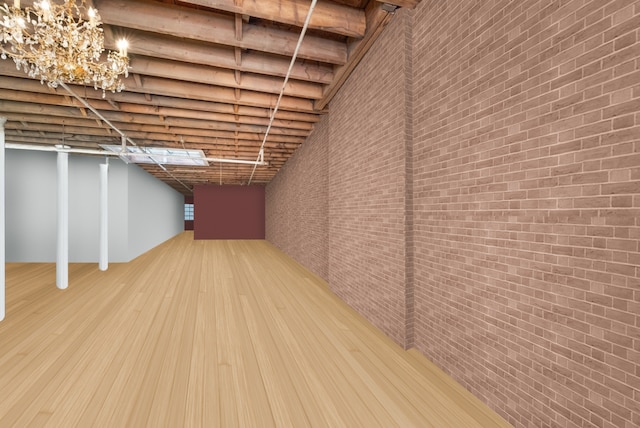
(367, 149)
(345, 190)
(484, 201)
(527, 205)
(297, 218)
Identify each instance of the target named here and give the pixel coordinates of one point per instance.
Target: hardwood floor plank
(209, 334)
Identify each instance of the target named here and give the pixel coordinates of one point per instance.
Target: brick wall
(527, 205)
(484, 201)
(367, 148)
(351, 176)
(297, 218)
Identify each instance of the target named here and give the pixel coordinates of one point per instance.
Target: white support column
(62, 254)
(103, 264)
(2, 219)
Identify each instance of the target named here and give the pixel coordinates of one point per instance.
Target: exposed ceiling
(205, 74)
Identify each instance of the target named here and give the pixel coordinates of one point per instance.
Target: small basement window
(188, 212)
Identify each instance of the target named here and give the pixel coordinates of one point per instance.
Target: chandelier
(61, 43)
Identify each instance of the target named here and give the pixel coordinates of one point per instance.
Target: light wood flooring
(208, 334)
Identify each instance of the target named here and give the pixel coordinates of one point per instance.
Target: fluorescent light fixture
(159, 155)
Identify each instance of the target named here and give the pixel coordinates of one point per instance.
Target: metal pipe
(284, 85)
(48, 148)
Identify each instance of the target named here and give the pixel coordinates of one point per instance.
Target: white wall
(30, 199)
(152, 220)
(134, 195)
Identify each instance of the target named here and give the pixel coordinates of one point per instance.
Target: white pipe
(284, 85)
(103, 263)
(49, 148)
(245, 162)
(2, 219)
(62, 253)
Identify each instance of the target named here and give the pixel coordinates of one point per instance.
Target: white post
(103, 264)
(62, 255)
(2, 216)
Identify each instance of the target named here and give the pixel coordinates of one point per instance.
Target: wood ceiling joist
(377, 19)
(39, 101)
(202, 92)
(327, 16)
(31, 90)
(141, 135)
(242, 151)
(222, 77)
(201, 143)
(179, 89)
(51, 114)
(402, 3)
(205, 74)
(190, 51)
(16, 107)
(218, 29)
(292, 118)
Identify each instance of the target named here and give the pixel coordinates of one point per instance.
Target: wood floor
(208, 334)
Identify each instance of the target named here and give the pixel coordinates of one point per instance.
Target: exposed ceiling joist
(205, 74)
(327, 16)
(214, 28)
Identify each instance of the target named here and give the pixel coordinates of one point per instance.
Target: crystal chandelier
(61, 43)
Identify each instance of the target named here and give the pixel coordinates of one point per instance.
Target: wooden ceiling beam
(377, 19)
(202, 92)
(214, 28)
(150, 85)
(205, 74)
(41, 100)
(272, 151)
(411, 4)
(201, 136)
(148, 132)
(18, 89)
(327, 16)
(49, 114)
(191, 51)
(222, 77)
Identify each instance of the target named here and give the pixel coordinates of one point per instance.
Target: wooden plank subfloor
(208, 334)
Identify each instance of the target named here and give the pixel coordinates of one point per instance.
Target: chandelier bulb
(92, 15)
(123, 45)
(46, 9)
(16, 4)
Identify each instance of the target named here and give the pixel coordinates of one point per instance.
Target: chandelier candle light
(57, 43)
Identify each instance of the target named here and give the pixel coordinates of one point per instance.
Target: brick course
(484, 201)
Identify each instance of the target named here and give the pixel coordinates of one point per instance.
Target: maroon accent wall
(484, 201)
(229, 212)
